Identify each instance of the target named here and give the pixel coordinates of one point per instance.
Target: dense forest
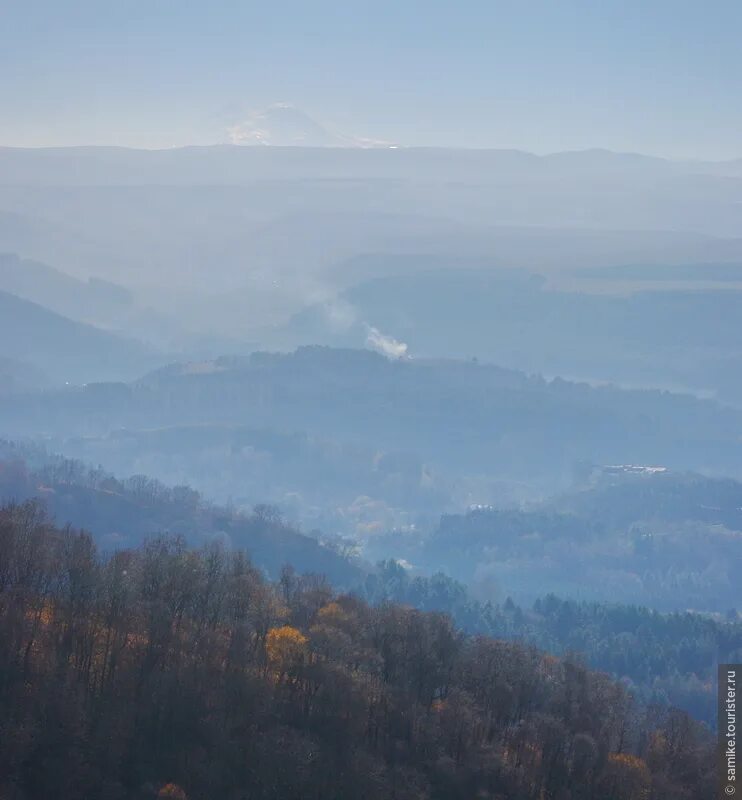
(669, 659)
(163, 671)
(668, 541)
(460, 418)
(123, 513)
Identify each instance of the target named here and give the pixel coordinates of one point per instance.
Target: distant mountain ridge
(67, 351)
(638, 337)
(84, 301)
(18, 376)
(456, 415)
(229, 164)
(237, 238)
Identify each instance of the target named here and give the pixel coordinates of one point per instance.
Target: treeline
(463, 419)
(669, 659)
(664, 658)
(622, 500)
(123, 513)
(655, 560)
(169, 672)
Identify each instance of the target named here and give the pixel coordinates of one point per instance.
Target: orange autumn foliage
(172, 791)
(285, 645)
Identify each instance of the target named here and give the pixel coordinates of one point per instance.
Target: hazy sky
(657, 76)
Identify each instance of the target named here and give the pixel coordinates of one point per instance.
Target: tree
(286, 648)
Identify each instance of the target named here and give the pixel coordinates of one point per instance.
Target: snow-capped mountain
(285, 125)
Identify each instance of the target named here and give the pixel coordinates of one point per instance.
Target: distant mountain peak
(285, 125)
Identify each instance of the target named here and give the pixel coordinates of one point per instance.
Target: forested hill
(123, 513)
(667, 659)
(670, 659)
(164, 672)
(65, 350)
(460, 416)
(622, 498)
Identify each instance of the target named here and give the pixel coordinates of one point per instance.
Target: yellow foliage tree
(285, 647)
(332, 614)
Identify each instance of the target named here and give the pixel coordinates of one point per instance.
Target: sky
(654, 76)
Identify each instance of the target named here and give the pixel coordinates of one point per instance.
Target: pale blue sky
(653, 76)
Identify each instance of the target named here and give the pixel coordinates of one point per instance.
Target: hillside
(319, 481)
(67, 351)
(186, 676)
(671, 659)
(90, 300)
(668, 541)
(17, 376)
(123, 514)
(446, 464)
(352, 442)
(459, 417)
(627, 326)
(668, 659)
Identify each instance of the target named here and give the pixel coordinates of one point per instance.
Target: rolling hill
(67, 351)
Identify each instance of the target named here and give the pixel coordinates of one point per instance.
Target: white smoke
(340, 315)
(387, 345)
